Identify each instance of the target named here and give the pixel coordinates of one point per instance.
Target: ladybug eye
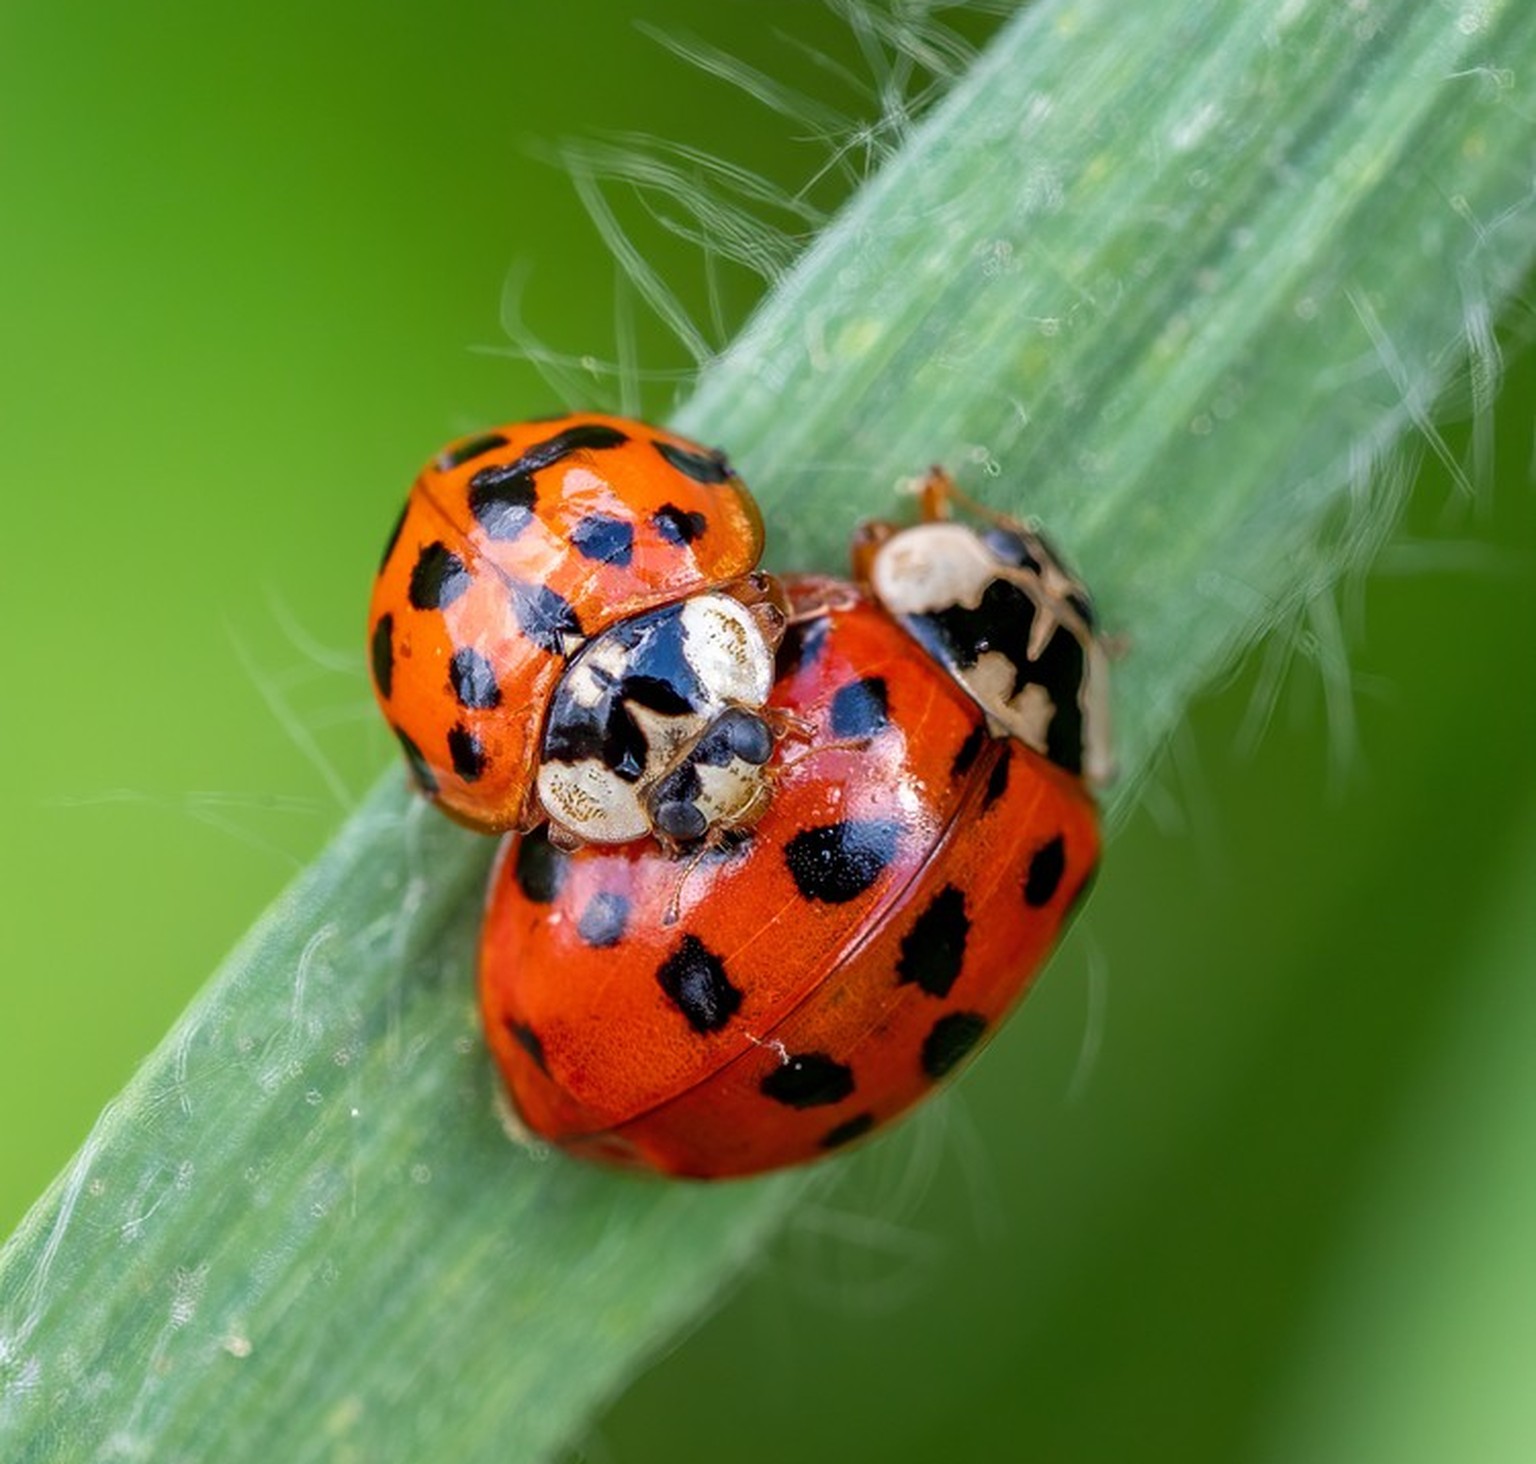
(680, 821)
(749, 736)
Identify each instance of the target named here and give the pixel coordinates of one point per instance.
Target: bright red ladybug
(567, 625)
(799, 986)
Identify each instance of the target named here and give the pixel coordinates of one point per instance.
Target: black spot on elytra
(1002, 622)
(808, 1080)
(539, 868)
(695, 981)
(438, 579)
(421, 769)
(528, 1040)
(466, 752)
(970, 750)
(1046, 866)
(949, 1040)
(846, 1132)
(545, 616)
(603, 922)
(677, 525)
(502, 499)
(473, 680)
(933, 951)
(861, 708)
(838, 862)
(383, 649)
(803, 643)
(702, 467)
(604, 539)
(997, 781)
(471, 448)
(394, 536)
(583, 437)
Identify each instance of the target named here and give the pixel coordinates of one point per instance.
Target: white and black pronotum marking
(655, 726)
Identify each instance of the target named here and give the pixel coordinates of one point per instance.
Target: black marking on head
(473, 680)
(861, 709)
(846, 1132)
(438, 579)
(837, 862)
(1084, 607)
(808, 1080)
(677, 525)
(933, 951)
(604, 539)
(655, 694)
(803, 643)
(472, 447)
(708, 466)
(421, 770)
(658, 677)
(958, 636)
(383, 649)
(466, 752)
(528, 1040)
(603, 922)
(394, 535)
(607, 733)
(544, 616)
(997, 782)
(969, 751)
(502, 499)
(695, 981)
(1046, 866)
(539, 868)
(583, 437)
(949, 1040)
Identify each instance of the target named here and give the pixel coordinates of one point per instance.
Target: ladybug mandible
(791, 990)
(567, 625)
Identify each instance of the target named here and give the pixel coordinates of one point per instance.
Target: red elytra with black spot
(514, 547)
(792, 992)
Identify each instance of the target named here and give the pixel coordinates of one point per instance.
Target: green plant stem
(1170, 278)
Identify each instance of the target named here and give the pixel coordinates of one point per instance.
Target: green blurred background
(1252, 1177)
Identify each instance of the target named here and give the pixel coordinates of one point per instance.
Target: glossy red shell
(901, 892)
(513, 547)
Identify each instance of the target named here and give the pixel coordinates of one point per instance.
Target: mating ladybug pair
(784, 851)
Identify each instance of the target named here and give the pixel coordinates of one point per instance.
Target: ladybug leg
(865, 544)
(937, 492)
(813, 597)
(787, 725)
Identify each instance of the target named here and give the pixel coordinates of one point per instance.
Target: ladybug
(1000, 613)
(567, 626)
(797, 986)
